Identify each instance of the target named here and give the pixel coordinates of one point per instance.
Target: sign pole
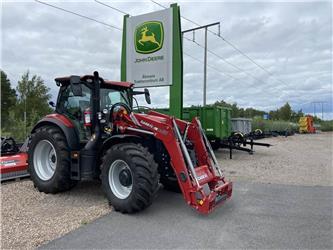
(205, 70)
(123, 51)
(176, 89)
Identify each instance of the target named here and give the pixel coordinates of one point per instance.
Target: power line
(217, 70)
(80, 15)
(212, 67)
(249, 58)
(111, 7)
(185, 18)
(226, 61)
(227, 42)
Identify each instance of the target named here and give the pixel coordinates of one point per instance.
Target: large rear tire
(49, 160)
(129, 177)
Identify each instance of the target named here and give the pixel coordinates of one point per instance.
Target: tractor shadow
(168, 204)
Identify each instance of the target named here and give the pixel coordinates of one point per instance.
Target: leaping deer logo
(147, 38)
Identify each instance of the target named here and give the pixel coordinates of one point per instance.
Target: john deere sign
(149, 37)
(152, 55)
(149, 49)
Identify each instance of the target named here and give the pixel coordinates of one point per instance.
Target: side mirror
(147, 96)
(75, 82)
(52, 104)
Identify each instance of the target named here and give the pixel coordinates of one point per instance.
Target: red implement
(13, 166)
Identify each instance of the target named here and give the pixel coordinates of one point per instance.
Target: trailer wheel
(49, 160)
(129, 177)
(215, 144)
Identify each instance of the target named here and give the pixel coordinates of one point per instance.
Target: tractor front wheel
(170, 184)
(129, 177)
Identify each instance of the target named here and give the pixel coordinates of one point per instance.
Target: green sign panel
(149, 37)
(152, 53)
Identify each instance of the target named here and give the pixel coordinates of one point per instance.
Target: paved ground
(258, 216)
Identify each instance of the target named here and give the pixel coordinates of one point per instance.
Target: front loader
(94, 133)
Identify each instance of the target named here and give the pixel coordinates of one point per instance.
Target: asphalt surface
(257, 216)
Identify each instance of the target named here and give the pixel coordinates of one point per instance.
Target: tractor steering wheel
(124, 105)
(118, 104)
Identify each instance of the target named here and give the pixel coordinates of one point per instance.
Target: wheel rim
(45, 160)
(120, 179)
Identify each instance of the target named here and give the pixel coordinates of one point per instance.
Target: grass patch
(326, 125)
(270, 125)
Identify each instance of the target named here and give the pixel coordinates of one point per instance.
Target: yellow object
(303, 125)
(306, 124)
(200, 202)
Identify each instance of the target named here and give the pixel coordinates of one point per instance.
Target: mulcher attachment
(13, 161)
(199, 176)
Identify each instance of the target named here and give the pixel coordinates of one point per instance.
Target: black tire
(167, 175)
(215, 145)
(144, 176)
(170, 184)
(60, 181)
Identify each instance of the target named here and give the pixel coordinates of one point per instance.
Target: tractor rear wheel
(129, 177)
(49, 160)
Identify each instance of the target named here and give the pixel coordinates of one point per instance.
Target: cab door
(73, 107)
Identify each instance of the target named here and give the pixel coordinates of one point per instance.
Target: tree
(285, 112)
(296, 115)
(8, 99)
(33, 97)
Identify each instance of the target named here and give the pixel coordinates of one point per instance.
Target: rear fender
(65, 125)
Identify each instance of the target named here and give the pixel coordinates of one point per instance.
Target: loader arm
(201, 180)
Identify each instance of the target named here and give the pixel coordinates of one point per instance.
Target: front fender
(121, 138)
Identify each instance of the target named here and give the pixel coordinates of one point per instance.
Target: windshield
(110, 97)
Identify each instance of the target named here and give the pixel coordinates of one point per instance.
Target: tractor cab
(75, 101)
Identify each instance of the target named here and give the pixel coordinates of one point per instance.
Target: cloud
(291, 40)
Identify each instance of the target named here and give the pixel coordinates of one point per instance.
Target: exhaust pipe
(88, 155)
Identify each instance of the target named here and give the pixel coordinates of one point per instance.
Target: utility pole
(322, 109)
(205, 55)
(25, 113)
(314, 109)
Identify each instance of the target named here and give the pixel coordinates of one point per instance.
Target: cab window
(110, 97)
(74, 106)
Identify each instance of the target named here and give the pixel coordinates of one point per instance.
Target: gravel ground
(298, 160)
(30, 218)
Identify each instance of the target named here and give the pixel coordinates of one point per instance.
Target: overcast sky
(293, 41)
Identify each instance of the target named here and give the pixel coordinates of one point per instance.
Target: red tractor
(94, 133)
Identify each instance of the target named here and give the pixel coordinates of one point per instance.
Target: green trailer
(216, 121)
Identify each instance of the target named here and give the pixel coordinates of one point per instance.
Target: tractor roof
(65, 80)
